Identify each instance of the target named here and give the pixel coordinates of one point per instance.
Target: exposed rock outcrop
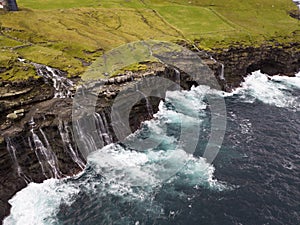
(45, 129)
(270, 59)
(42, 127)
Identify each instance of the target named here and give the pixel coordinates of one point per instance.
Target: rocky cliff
(270, 59)
(37, 139)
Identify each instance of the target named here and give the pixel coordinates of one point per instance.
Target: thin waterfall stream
(13, 153)
(45, 154)
(64, 131)
(61, 84)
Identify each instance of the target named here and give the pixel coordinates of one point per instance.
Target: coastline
(231, 48)
(239, 62)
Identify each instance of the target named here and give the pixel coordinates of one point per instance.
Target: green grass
(52, 4)
(15, 70)
(194, 21)
(57, 38)
(62, 34)
(219, 23)
(129, 57)
(8, 42)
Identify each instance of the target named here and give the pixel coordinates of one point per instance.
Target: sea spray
(274, 90)
(126, 172)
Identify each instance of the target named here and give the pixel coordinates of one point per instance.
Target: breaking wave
(273, 90)
(130, 182)
(132, 173)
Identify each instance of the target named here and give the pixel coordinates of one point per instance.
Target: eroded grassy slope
(70, 34)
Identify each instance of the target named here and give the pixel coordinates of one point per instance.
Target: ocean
(254, 179)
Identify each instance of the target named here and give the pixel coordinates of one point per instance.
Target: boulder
(12, 116)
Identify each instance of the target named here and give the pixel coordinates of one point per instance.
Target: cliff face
(39, 130)
(270, 59)
(39, 143)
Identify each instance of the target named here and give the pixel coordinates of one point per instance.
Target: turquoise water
(253, 180)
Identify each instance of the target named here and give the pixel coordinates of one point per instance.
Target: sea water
(254, 179)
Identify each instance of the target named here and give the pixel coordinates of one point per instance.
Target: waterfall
(85, 137)
(221, 76)
(67, 143)
(103, 129)
(30, 141)
(222, 72)
(297, 2)
(177, 76)
(61, 84)
(13, 154)
(38, 157)
(91, 133)
(45, 155)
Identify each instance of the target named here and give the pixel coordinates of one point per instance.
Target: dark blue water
(254, 179)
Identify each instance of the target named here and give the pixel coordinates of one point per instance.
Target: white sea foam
(37, 203)
(128, 174)
(132, 174)
(189, 102)
(124, 169)
(291, 82)
(274, 90)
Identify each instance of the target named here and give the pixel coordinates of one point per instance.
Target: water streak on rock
(13, 153)
(45, 155)
(93, 133)
(103, 128)
(61, 84)
(177, 76)
(64, 131)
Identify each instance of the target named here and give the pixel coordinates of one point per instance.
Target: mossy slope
(70, 34)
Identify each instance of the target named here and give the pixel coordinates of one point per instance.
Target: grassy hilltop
(70, 34)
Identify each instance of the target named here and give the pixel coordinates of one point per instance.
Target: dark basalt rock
(270, 59)
(36, 98)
